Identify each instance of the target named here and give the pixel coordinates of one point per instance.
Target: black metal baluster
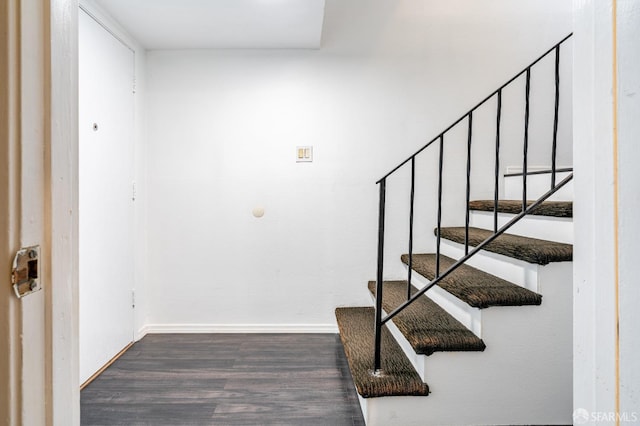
(378, 324)
(379, 321)
(476, 249)
(526, 140)
(479, 104)
(555, 120)
(439, 205)
(413, 180)
(466, 225)
(495, 192)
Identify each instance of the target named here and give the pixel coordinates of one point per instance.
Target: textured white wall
(606, 373)
(223, 126)
(629, 204)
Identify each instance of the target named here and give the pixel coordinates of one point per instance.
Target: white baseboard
(142, 331)
(236, 328)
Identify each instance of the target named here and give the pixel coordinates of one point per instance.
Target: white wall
(606, 370)
(629, 202)
(222, 130)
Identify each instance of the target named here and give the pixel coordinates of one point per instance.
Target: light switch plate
(304, 154)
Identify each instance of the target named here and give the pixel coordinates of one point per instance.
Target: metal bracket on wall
(25, 271)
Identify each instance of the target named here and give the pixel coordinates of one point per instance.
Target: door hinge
(133, 298)
(25, 272)
(133, 191)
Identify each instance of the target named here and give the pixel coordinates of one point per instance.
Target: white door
(106, 114)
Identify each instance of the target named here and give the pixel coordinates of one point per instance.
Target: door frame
(52, 41)
(10, 313)
(62, 305)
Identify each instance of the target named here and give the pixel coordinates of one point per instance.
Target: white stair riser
(523, 377)
(537, 185)
(417, 360)
(542, 227)
(513, 270)
(467, 315)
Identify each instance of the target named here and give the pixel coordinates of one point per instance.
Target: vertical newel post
(555, 120)
(468, 199)
(497, 170)
(526, 139)
(440, 164)
(411, 201)
(378, 312)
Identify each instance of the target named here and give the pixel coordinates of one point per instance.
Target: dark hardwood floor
(225, 379)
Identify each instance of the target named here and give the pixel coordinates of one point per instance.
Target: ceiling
(233, 24)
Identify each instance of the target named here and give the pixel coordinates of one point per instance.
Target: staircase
(480, 330)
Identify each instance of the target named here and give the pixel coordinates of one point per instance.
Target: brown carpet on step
(426, 326)
(398, 375)
(547, 208)
(473, 286)
(530, 250)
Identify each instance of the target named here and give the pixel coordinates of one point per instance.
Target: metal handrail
(526, 207)
(479, 247)
(479, 104)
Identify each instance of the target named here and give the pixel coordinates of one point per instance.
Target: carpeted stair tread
(426, 326)
(473, 286)
(399, 378)
(528, 249)
(547, 208)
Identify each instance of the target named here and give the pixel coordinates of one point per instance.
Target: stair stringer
(524, 376)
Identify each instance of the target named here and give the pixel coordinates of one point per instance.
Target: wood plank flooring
(225, 379)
